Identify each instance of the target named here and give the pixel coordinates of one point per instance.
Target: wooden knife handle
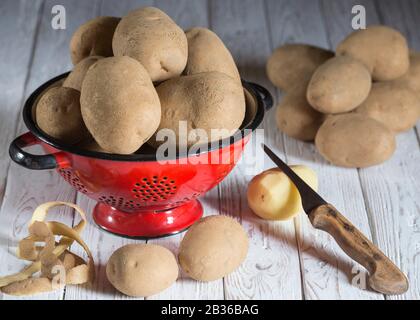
(384, 275)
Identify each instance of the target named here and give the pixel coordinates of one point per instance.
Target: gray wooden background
(287, 260)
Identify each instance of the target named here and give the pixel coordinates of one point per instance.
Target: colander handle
(265, 95)
(32, 161)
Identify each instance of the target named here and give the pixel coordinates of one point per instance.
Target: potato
(151, 37)
(93, 38)
(206, 52)
(293, 64)
(412, 78)
(119, 104)
(354, 140)
(75, 78)
(212, 248)
(295, 116)
(396, 106)
(382, 49)
(91, 145)
(339, 85)
(142, 270)
(272, 195)
(208, 100)
(58, 115)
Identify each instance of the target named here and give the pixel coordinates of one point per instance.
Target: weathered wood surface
(287, 260)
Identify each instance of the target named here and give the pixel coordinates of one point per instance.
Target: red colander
(137, 195)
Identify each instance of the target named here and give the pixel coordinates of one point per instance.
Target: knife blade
(384, 275)
(310, 199)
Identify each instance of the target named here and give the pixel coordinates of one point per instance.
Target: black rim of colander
(31, 125)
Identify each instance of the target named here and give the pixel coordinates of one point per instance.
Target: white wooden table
(287, 260)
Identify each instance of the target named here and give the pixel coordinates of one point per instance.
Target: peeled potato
(142, 270)
(58, 114)
(212, 248)
(272, 196)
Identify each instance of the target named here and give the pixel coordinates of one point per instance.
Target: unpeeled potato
(293, 64)
(206, 52)
(75, 78)
(119, 104)
(150, 36)
(382, 49)
(393, 104)
(272, 196)
(141, 270)
(58, 114)
(412, 78)
(354, 140)
(93, 38)
(212, 248)
(295, 116)
(339, 85)
(206, 101)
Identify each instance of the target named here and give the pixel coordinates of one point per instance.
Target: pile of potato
(351, 103)
(138, 74)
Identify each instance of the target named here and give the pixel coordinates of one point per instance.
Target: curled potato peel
(47, 258)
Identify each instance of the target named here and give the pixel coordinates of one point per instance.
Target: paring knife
(384, 276)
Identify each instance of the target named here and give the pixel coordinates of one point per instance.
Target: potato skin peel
(142, 270)
(28, 287)
(119, 104)
(207, 52)
(212, 248)
(355, 141)
(93, 38)
(150, 36)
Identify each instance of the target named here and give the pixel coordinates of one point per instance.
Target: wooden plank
(392, 189)
(17, 33)
(326, 269)
(101, 243)
(121, 8)
(185, 13)
(271, 270)
(188, 14)
(27, 189)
